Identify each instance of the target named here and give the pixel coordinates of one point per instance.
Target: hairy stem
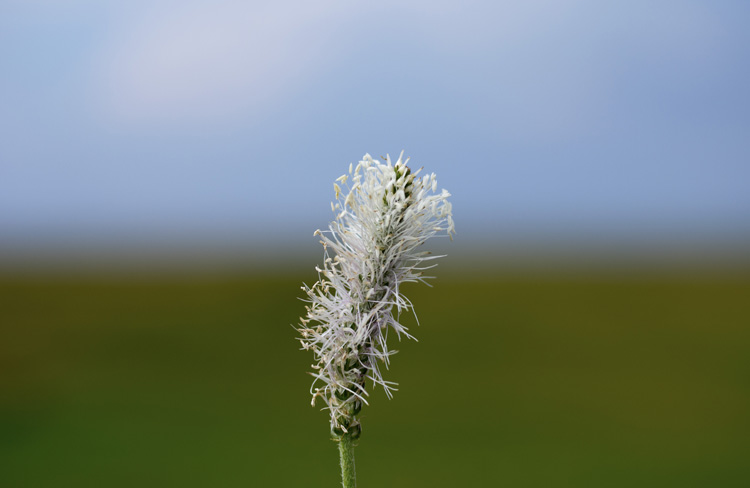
(346, 451)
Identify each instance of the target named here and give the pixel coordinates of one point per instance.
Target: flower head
(385, 212)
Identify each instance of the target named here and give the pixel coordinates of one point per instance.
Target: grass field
(520, 381)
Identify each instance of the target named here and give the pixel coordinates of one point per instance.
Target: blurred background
(163, 166)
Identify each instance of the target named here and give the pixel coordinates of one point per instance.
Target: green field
(520, 381)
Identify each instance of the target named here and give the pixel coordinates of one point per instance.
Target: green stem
(346, 450)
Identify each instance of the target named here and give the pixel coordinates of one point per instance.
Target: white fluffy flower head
(385, 212)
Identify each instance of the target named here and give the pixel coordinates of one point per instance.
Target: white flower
(383, 219)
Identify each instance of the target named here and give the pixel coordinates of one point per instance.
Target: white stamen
(386, 215)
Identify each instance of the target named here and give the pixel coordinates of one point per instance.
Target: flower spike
(385, 212)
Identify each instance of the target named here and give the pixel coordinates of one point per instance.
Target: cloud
(214, 59)
(548, 66)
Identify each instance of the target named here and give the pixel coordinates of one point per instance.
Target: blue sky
(194, 120)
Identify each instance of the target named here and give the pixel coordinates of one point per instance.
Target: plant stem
(346, 450)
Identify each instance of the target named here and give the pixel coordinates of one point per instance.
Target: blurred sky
(174, 121)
